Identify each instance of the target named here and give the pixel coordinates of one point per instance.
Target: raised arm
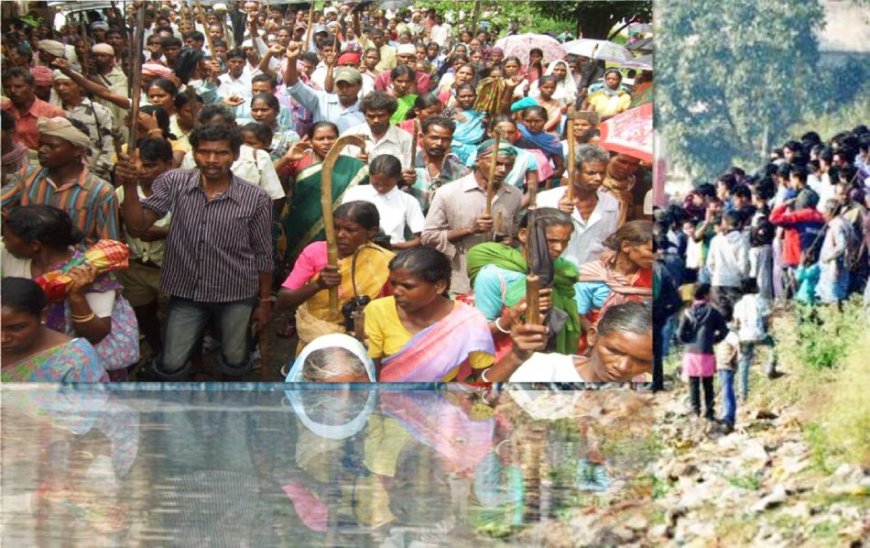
(90, 86)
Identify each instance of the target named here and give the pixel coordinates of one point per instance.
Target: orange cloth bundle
(105, 256)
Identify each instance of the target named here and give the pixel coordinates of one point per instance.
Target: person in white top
(380, 136)
(399, 211)
(595, 213)
(252, 165)
(728, 260)
(236, 82)
(620, 349)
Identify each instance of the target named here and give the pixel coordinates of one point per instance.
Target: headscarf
(487, 147)
(612, 92)
(333, 340)
(349, 57)
(153, 69)
(42, 76)
(103, 48)
(325, 430)
(99, 25)
(524, 103)
(53, 47)
(566, 90)
(61, 127)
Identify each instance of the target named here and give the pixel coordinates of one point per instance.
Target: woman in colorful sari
(41, 239)
(533, 136)
(301, 221)
(470, 125)
(33, 352)
(361, 274)
(419, 334)
(402, 88)
(623, 274)
(498, 275)
(611, 99)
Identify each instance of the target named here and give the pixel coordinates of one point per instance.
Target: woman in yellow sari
(361, 274)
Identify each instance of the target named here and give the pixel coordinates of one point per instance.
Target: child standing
(807, 277)
(399, 212)
(701, 327)
(751, 317)
(727, 352)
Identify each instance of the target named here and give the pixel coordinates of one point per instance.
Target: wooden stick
(310, 28)
(490, 186)
(533, 195)
(496, 226)
(136, 76)
(569, 192)
(204, 23)
(533, 288)
(86, 46)
(326, 206)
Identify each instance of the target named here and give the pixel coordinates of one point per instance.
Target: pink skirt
(698, 365)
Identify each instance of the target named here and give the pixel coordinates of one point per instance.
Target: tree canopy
(730, 76)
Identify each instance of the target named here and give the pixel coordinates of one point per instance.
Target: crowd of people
(795, 232)
(449, 169)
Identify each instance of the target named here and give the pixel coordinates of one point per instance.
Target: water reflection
(259, 465)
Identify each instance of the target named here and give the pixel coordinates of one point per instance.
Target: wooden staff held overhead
(533, 282)
(310, 28)
(136, 76)
(326, 206)
(569, 192)
(204, 24)
(490, 184)
(85, 44)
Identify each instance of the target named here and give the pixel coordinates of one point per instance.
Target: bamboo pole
(204, 23)
(569, 192)
(533, 282)
(533, 289)
(326, 206)
(310, 28)
(490, 186)
(136, 76)
(85, 44)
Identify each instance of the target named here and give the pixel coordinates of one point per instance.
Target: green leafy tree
(597, 19)
(732, 76)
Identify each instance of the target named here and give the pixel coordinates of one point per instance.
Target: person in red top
(407, 55)
(25, 106)
(802, 223)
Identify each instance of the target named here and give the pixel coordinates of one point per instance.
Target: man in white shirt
(595, 213)
(341, 108)
(440, 32)
(236, 82)
(380, 136)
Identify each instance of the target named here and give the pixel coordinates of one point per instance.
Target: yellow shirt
(387, 335)
(606, 105)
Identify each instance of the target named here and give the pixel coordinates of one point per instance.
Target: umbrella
(630, 133)
(519, 45)
(643, 63)
(644, 44)
(598, 49)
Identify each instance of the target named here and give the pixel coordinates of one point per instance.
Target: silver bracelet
(483, 375)
(500, 328)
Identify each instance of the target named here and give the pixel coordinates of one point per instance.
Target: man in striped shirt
(218, 254)
(65, 182)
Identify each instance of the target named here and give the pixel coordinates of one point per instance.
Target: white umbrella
(598, 49)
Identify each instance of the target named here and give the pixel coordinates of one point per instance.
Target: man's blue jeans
(186, 320)
(729, 401)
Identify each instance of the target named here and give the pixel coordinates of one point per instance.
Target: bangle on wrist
(483, 375)
(83, 319)
(500, 328)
